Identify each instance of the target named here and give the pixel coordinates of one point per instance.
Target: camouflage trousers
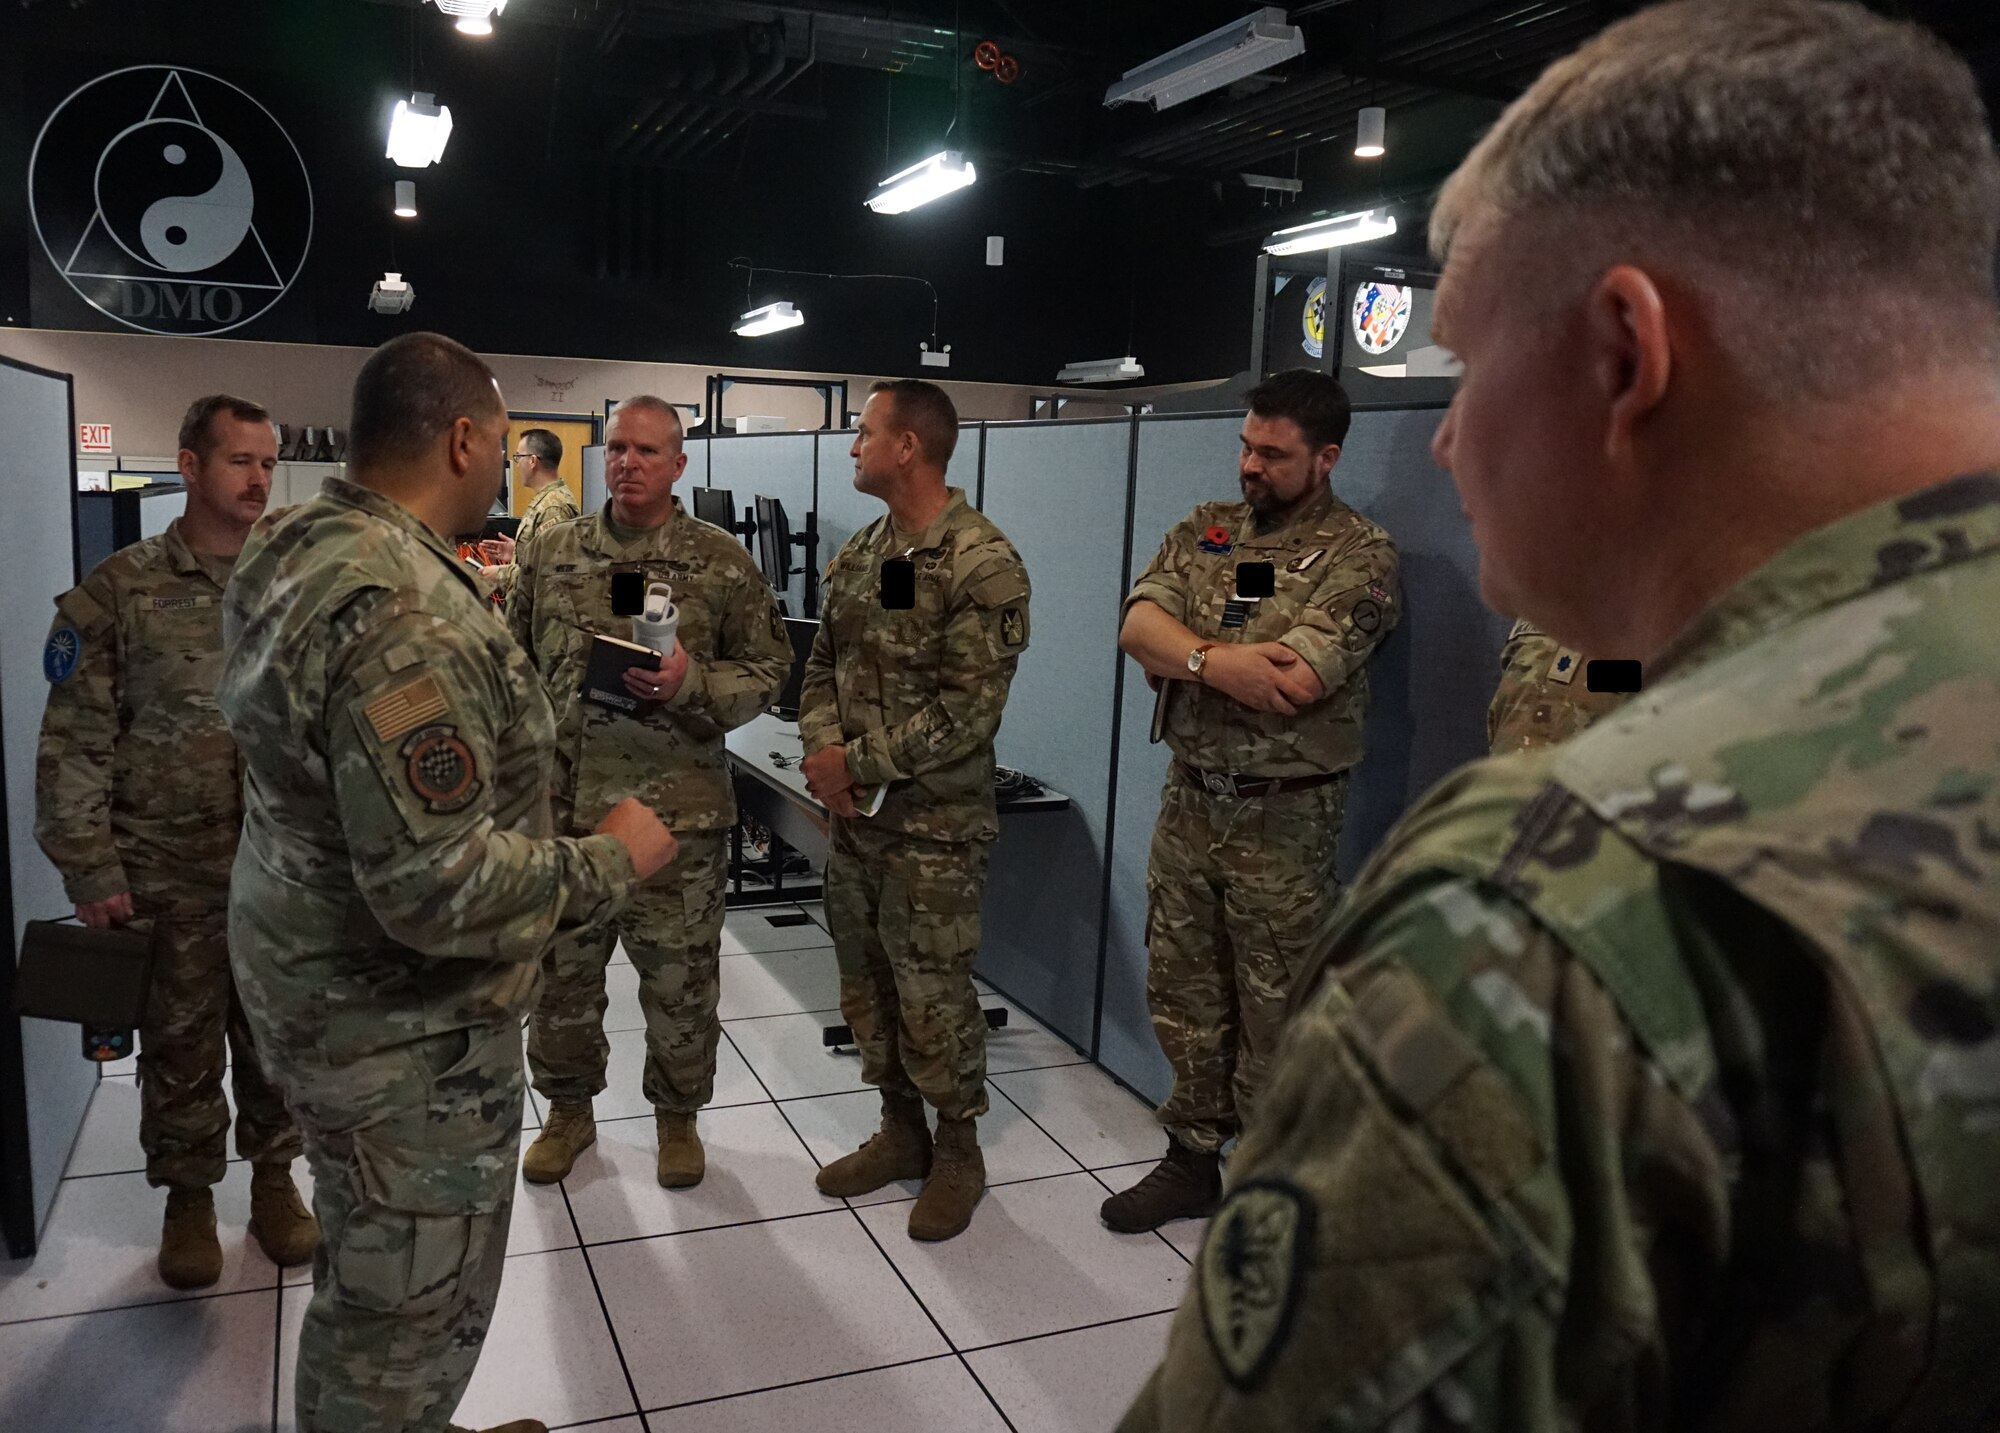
(193, 1027)
(905, 918)
(1240, 892)
(672, 930)
(413, 1215)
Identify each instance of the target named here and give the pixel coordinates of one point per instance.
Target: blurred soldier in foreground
(537, 456)
(730, 658)
(1543, 696)
(925, 620)
(398, 881)
(139, 802)
(1651, 1083)
(1266, 696)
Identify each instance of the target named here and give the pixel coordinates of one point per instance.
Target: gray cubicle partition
(1059, 491)
(1180, 462)
(45, 1084)
(771, 465)
(1429, 683)
(844, 511)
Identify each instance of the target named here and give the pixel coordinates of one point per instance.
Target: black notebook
(604, 677)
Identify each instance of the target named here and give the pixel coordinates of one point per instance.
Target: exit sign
(93, 438)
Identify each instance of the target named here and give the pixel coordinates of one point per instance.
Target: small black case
(94, 978)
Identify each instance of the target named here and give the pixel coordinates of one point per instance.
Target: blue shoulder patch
(59, 657)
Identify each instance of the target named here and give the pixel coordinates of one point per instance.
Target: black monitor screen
(802, 630)
(774, 544)
(716, 505)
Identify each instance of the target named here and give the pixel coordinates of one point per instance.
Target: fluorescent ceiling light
(1102, 370)
(475, 17)
(1370, 132)
(406, 198)
(771, 318)
(418, 131)
(934, 178)
(1331, 233)
(1218, 58)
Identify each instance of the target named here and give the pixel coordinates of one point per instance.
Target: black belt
(1229, 783)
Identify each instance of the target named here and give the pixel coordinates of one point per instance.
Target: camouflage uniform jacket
(1658, 1087)
(138, 782)
(916, 695)
(397, 880)
(668, 754)
(1334, 597)
(553, 504)
(1542, 698)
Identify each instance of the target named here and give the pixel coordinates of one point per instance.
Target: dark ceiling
(613, 155)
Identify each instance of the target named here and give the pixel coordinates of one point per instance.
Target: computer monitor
(716, 505)
(802, 631)
(774, 544)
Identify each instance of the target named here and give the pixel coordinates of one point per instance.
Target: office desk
(764, 756)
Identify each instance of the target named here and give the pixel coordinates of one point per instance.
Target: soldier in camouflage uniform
(536, 457)
(139, 799)
(924, 621)
(1265, 702)
(397, 882)
(1651, 1080)
(666, 747)
(1543, 697)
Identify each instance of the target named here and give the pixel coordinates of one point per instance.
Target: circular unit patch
(441, 769)
(59, 656)
(1381, 315)
(1312, 318)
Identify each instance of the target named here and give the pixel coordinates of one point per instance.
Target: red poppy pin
(1216, 539)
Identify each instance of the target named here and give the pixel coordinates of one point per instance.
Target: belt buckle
(1218, 784)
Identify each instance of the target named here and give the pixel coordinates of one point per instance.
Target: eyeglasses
(523, 457)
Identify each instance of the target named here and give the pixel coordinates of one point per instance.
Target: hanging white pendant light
(1370, 131)
(406, 198)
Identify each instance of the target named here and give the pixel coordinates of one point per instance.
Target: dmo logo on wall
(170, 200)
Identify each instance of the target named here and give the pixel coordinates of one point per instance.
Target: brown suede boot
(682, 1162)
(900, 1149)
(519, 1425)
(571, 1129)
(957, 1179)
(279, 1220)
(1187, 1184)
(190, 1254)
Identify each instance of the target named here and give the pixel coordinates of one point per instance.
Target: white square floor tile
(751, 929)
(1184, 1234)
(786, 1053)
(1036, 1260)
(624, 1094)
(198, 1366)
(723, 1311)
(541, 1220)
(1078, 1382)
(548, 1354)
(757, 1169)
(1089, 1113)
(1024, 1043)
(780, 982)
(108, 1142)
(912, 1398)
(102, 1241)
(817, 910)
(833, 1125)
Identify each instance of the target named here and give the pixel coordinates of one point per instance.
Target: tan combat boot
(571, 1129)
(519, 1425)
(279, 1220)
(956, 1180)
(900, 1149)
(190, 1254)
(1187, 1184)
(682, 1162)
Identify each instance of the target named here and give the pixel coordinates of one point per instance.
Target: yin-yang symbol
(174, 195)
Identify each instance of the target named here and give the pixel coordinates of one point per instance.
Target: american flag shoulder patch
(405, 709)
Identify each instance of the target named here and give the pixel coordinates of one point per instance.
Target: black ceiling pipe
(735, 64)
(718, 123)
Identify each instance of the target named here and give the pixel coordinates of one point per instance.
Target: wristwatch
(1198, 658)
